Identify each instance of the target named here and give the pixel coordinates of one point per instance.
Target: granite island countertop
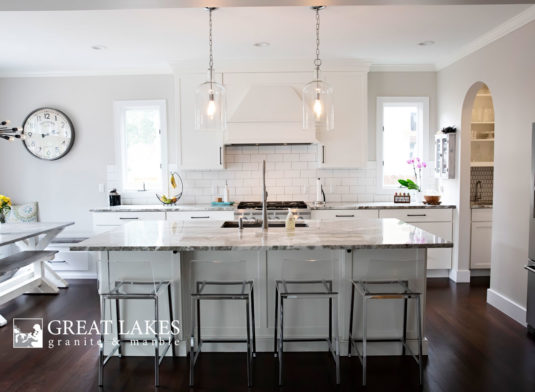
(380, 205)
(209, 235)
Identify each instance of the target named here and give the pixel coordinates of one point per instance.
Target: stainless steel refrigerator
(530, 318)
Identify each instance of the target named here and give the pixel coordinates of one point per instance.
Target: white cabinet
(198, 150)
(481, 240)
(435, 221)
(347, 145)
(344, 214)
(176, 216)
(105, 221)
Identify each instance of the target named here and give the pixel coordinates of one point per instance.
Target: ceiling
(149, 40)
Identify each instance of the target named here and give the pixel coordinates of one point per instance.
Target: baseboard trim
(460, 276)
(505, 305)
(438, 273)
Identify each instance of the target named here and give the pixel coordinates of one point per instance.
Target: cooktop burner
(272, 205)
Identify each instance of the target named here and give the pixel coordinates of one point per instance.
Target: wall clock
(48, 134)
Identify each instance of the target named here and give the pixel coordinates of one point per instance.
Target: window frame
(120, 139)
(423, 134)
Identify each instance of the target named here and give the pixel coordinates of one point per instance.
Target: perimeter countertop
(209, 207)
(191, 236)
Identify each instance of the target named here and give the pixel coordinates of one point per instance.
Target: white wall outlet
(101, 188)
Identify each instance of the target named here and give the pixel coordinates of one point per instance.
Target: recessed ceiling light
(426, 43)
(98, 47)
(261, 44)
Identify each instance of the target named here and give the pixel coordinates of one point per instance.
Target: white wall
(66, 189)
(507, 66)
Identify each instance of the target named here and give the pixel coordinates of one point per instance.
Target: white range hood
(266, 114)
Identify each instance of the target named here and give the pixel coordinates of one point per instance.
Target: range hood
(267, 114)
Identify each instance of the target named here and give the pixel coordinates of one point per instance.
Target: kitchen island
(186, 252)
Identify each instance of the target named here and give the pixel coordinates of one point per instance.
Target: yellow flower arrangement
(5, 206)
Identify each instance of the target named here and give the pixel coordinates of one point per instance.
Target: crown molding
(272, 65)
(491, 36)
(403, 68)
(165, 70)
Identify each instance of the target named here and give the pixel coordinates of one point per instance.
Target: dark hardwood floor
(473, 347)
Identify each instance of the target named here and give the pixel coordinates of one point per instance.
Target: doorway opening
(481, 180)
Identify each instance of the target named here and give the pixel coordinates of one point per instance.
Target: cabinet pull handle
(56, 261)
(129, 218)
(220, 155)
(345, 216)
(416, 214)
(200, 217)
(323, 154)
(530, 269)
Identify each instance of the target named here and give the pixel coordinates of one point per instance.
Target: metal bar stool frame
(362, 288)
(281, 295)
(154, 295)
(246, 294)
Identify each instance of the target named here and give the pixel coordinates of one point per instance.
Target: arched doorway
(477, 179)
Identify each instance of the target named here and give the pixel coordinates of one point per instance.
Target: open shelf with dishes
(482, 130)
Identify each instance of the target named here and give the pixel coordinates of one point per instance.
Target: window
(402, 134)
(141, 131)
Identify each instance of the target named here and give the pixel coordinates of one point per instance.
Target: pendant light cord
(317, 61)
(210, 43)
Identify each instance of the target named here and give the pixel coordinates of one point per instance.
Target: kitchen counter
(480, 205)
(162, 208)
(376, 206)
(191, 236)
(208, 207)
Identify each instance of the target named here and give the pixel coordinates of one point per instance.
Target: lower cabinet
(344, 214)
(436, 221)
(71, 265)
(175, 216)
(481, 239)
(105, 221)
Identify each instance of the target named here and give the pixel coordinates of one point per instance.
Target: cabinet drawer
(70, 261)
(482, 215)
(418, 215)
(175, 216)
(120, 218)
(344, 214)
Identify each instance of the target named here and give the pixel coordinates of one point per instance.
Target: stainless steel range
(276, 210)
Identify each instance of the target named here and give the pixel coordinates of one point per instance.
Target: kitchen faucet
(477, 195)
(264, 197)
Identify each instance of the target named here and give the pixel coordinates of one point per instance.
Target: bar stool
(222, 290)
(397, 290)
(137, 290)
(305, 289)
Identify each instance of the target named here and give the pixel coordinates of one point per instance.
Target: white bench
(14, 280)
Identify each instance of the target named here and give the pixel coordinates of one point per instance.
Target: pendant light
(210, 104)
(318, 105)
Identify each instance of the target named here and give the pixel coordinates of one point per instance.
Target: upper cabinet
(198, 150)
(347, 145)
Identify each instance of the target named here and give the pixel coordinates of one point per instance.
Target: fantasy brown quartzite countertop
(191, 236)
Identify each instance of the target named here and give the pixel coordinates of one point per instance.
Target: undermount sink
(249, 224)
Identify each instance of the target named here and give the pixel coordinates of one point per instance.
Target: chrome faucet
(264, 197)
(477, 195)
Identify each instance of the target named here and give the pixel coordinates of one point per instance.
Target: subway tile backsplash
(486, 176)
(291, 175)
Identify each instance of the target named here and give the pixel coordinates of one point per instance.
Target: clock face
(48, 134)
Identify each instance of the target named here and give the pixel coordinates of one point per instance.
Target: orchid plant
(417, 166)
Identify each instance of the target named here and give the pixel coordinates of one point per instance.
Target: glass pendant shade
(318, 106)
(210, 107)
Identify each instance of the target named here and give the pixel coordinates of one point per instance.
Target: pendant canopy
(318, 95)
(210, 102)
